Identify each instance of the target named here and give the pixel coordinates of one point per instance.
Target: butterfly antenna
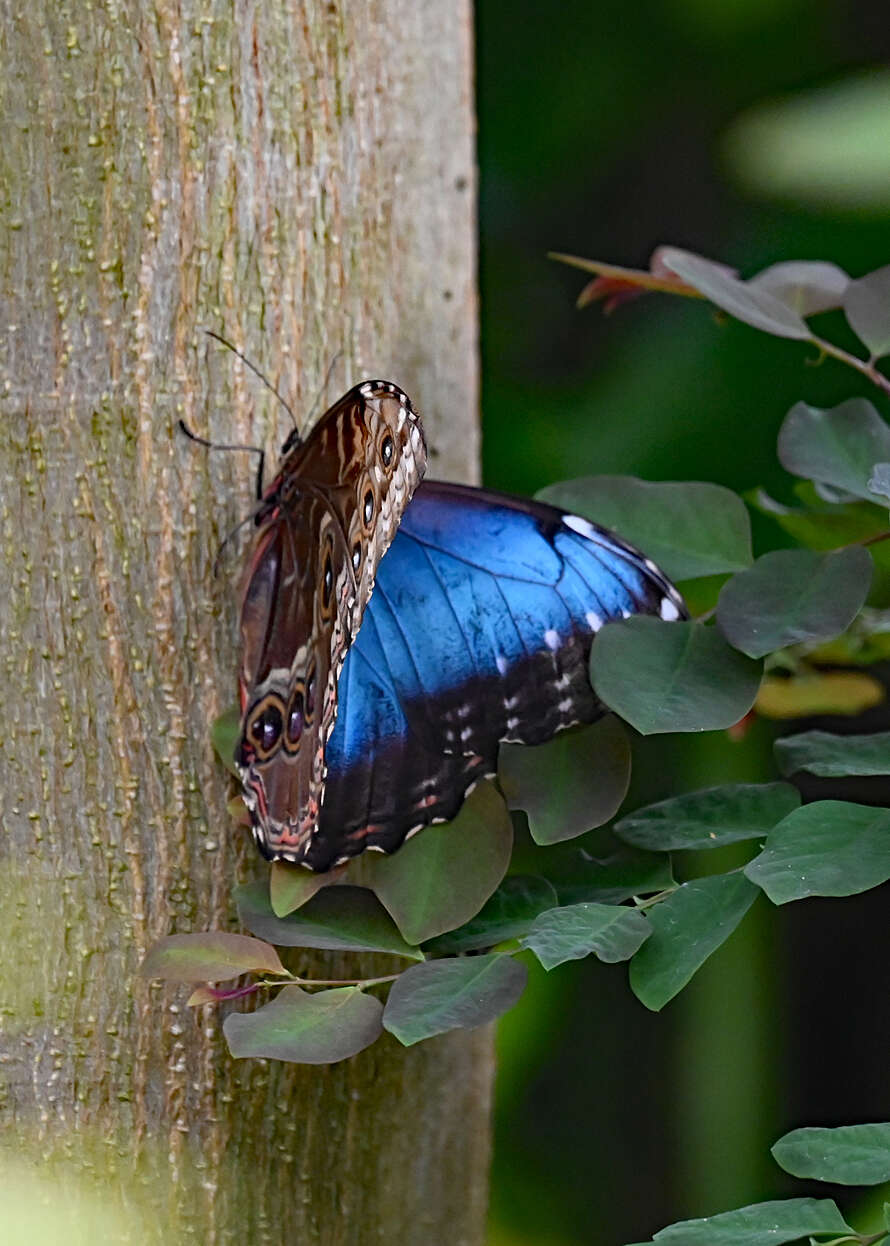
(255, 370)
(217, 445)
(324, 385)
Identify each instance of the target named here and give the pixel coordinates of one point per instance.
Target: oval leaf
(507, 914)
(340, 918)
(626, 873)
(307, 1029)
(443, 876)
(610, 931)
(452, 994)
(836, 446)
(793, 595)
(807, 286)
(689, 528)
(749, 303)
(224, 732)
(211, 956)
(846, 1155)
(867, 308)
(292, 886)
(824, 528)
(686, 928)
(828, 848)
(711, 817)
(571, 784)
(834, 756)
(671, 676)
(776, 1222)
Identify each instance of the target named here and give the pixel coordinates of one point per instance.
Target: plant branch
(865, 366)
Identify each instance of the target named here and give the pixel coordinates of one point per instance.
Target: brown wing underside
(332, 512)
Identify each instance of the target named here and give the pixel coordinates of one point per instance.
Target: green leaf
(838, 446)
(823, 527)
(689, 528)
(834, 756)
(761, 1224)
(671, 676)
(455, 994)
(237, 809)
(507, 914)
(793, 595)
(210, 956)
(709, 818)
(807, 286)
(610, 931)
(347, 918)
(291, 886)
(846, 1155)
(686, 928)
(614, 879)
(747, 302)
(224, 733)
(307, 1029)
(442, 877)
(867, 308)
(571, 784)
(828, 848)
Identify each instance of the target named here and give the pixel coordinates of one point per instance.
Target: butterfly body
(366, 716)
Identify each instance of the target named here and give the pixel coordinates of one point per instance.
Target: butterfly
(369, 715)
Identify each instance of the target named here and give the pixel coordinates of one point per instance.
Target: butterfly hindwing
(325, 522)
(479, 631)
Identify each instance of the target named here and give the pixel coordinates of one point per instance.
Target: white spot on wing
(551, 638)
(582, 526)
(594, 622)
(502, 663)
(669, 609)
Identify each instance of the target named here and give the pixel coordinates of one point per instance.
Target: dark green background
(601, 132)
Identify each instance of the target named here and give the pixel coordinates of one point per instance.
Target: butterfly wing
(326, 521)
(479, 631)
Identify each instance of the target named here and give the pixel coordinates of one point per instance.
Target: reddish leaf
(211, 956)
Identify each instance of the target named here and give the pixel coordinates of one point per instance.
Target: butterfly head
(329, 517)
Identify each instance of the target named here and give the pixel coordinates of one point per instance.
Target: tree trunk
(297, 175)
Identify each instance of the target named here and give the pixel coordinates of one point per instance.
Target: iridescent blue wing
(478, 631)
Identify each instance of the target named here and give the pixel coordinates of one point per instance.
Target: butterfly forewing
(328, 517)
(479, 631)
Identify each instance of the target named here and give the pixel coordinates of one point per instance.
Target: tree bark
(298, 175)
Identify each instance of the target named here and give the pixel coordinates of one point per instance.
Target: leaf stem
(360, 982)
(662, 895)
(875, 540)
(865, 366)
(859, 1239)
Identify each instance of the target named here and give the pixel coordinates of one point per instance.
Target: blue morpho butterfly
(367, 717)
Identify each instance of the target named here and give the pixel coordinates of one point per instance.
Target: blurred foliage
(605, 130)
